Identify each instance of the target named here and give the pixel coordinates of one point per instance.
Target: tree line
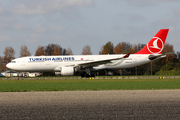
(108, 48)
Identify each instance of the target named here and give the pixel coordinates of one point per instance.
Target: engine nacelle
(67, 70)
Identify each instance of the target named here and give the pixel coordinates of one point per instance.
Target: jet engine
(67, 70)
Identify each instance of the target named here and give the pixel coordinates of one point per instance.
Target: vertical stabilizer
(156, 44)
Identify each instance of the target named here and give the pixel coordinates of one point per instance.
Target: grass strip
(85, 84)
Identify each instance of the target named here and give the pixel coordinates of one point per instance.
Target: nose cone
(9, 66)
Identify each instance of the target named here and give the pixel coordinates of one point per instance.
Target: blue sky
(76, 23)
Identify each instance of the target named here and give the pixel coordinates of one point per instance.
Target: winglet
(126, 56)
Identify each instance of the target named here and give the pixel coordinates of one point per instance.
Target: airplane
(86, 64)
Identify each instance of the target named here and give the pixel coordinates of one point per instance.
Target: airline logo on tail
(155, 45)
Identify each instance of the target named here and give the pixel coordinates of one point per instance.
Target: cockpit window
(13, 61)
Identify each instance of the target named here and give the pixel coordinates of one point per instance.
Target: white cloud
(35, 35)
(34, 38)
(18, 27)
(5, 21)
(42, 29)
(165, 22)
(166, 0)
(21, 9)
(5, 38)
(137, 17)
(57, 28)
(140, 3)
(71, 3)
(177, 11)
(1, 9)
(144, 3)
(45, 6)
(58, 38)
(171, 28)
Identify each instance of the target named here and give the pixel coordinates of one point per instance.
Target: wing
(100, 62)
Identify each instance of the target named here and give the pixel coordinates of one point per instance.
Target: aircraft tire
(83, 74)
(87, 75)
(92, 75)
(25, 76)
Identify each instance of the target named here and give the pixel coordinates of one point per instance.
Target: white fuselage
(67, 65)
(50, 63)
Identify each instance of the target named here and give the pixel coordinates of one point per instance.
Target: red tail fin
(156, 44)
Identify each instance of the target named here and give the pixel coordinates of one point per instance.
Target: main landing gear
(87, 75)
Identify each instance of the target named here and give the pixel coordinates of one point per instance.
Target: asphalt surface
(121, 104)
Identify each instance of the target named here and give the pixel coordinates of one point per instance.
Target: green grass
(86, 84)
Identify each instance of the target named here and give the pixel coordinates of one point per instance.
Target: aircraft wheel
(25, 76)
(87, 75)
(83, 74)
(92, 75)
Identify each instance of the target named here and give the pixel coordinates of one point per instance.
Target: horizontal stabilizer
(157, 56)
